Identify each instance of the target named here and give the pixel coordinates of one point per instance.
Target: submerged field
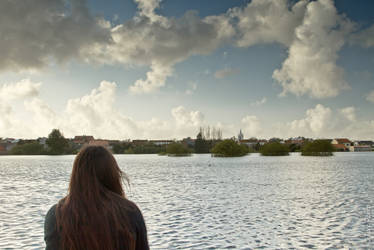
(204, 202)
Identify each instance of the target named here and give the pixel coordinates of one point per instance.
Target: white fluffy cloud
(60, 30)
(252, 126)
(311, 65)
(91, 114)
(267, 21)
(184, 117)
(315, 122)
(10, 124)
(323, 122)
(160, 44)
(95, 113)
(19, 90)
(349, 113)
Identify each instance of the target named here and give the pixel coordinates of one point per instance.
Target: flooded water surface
(200, 202)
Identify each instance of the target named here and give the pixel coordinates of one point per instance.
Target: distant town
(203, 142)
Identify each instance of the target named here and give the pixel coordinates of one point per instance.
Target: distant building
(343, 141)
(360, 148)
(249, 142)
(43, 141)
(364, 143)
(2, 149)
(161, 142)
(188, 142)
(262, 142)
(340, 147)
(99, 142)
(111, 142)
(240, 136)
(83, 139)
(296, 141)
(139, 142)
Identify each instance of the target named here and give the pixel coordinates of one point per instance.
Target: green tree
(201, 145)
(57, 144)
(32, 148)
(274, 149)
(229, 148)
(119, 148)
(177, 149)
(318, 148)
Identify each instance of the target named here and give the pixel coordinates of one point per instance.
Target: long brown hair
(94, 213)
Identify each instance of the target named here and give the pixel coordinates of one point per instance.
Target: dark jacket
(52, 237)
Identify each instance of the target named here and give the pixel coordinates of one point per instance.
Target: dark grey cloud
(35, 32)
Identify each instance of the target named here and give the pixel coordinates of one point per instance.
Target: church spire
(240, 136)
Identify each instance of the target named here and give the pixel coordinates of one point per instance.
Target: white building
(360, 148)
(344, 141)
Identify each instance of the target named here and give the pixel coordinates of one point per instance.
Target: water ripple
(201, 202)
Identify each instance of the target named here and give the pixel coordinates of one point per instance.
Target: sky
(160, 69)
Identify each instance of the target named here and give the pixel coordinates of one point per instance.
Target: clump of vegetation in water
(274, 149)
(229, 148)
(318, 148)
(177, 149)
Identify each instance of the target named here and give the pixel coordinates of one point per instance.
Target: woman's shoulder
(133, 210)
(51, 214)
(50, 217)
(130, 206)
(50, 229)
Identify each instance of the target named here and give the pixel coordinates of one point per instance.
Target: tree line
(208, 140)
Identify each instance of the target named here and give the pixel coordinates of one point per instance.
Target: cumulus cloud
(349, 113)
(267, 21)
(95, 113)
(61, 30)
(311, 64)
(91, 114)
(252, 126)
(19, 90)
(155, 79)
(183, 117)
(34, 32)
(323, 122)
(370, 96)
(147, 9)
(10, 124)
(316, 120)
(158, 42)
(225, 72)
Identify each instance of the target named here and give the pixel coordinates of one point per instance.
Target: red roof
(248, 140)
(339, 146)
(99, 142)
(343, 140)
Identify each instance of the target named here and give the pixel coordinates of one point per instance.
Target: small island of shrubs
(318, 148)
(274, 149)
(176, 149)
(229, 148)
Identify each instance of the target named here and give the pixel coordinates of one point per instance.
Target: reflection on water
(202, 202)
